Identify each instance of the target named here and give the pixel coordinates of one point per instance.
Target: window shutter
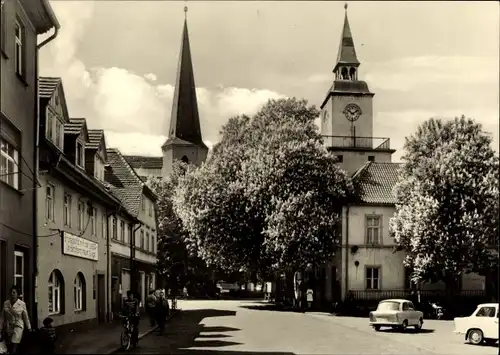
(381, 231)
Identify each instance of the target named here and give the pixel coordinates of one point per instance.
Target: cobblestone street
(234, 327)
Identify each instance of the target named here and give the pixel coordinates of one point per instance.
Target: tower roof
(347, 52)
(185, 120)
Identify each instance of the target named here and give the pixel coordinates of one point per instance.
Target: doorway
(101, 298)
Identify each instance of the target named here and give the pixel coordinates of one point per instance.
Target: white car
(396, 313)
(481, 326)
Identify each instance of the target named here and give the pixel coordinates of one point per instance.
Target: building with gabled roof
(75, 209)
(138, 270)
(21, 24)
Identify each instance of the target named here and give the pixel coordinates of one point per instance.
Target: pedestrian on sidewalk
(13, 319)
(150, 307)
(48, 337)
(131, 311)
(161, 311)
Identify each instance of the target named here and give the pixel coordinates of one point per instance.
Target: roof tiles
(377, 181)
(144, 162)
(74, 126)
(95, 137)
(47, 86)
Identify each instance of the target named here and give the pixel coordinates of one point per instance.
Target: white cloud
(133, 109)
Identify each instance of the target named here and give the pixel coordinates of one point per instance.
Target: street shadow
(219, 329)
(407, 331)
(229, 352)
(216, 335)
(270, 307)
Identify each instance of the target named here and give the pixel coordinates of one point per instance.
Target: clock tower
(347, 111)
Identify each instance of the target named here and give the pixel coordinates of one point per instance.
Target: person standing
(13, 319)
(161, 311)
(150, 307)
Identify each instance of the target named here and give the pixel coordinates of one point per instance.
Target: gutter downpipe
(34, 280)
(346, 254)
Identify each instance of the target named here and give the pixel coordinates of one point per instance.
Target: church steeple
(347, 61)
(185, 120)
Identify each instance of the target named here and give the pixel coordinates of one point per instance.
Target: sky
(118, 62)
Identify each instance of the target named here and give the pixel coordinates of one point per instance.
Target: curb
(142, 335)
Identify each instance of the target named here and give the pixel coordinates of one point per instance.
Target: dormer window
(79, 159)
(98, 168)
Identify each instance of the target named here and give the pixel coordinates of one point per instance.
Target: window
(55, 292)
(67, 210)
(93, 221)
(122, 231)
(103, 225)
(19, 55)
(79, 292)
(152, 243)
(19, 271)
(79, 154)
(81, 215)
(59, 135)
(372, 278)
(371, 158)
(49, 124)
(143, 204)
(114, 236)
(150, 208)
(49, 202)
(373, 227)
(147, 241)
(9, 170)
(340, 158)
(142, 240)
(486, 312)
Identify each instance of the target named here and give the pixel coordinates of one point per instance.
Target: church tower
(184, 140)
(347, 111)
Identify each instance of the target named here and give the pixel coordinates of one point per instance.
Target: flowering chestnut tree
(268, 196)
(446, 216)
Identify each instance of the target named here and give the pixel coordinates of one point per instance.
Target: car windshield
(388, 306)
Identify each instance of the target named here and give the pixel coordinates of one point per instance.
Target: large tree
(268, 197)
(446, 216)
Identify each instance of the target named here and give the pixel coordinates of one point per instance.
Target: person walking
(48, 337)
(13, 320)
(150, 307)
(161, 311)
(131, 311)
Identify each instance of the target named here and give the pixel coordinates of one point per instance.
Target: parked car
(397, 314)
(481, 326)
(227, 287)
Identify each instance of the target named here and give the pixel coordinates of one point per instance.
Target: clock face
(352, 112)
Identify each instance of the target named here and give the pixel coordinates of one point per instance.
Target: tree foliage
(446, 216)
(268, 197)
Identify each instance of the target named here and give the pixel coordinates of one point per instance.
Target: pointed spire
(185, 120)
(347, 52)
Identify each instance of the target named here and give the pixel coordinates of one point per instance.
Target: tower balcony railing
(375, 143)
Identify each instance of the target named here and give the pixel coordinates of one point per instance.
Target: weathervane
(185, 9)
(345, 6)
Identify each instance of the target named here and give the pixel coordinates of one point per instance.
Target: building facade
(366, 267)
(73, 208)
(20, 24)
(133, 244)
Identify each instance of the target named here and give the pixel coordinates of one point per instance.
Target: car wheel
(475, 336)
(404, 325)
(420, 324)
(376, 327)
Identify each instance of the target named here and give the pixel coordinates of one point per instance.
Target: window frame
(93, 221)
(141, 241)
(152, 242)
(369, 240)
(55, 284)
(369, 286)
(80, 154)
(122, 231)
(50, 117)
(78, 289)
(81, 216)
(20, 48)
(59, 134)
(17, 275)
(50, 210)
(67, 201)
(146, 242)
(5, 173)
(114, 230)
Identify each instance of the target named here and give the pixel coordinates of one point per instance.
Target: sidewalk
(103, 339)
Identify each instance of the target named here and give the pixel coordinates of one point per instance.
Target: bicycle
(127, 334)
